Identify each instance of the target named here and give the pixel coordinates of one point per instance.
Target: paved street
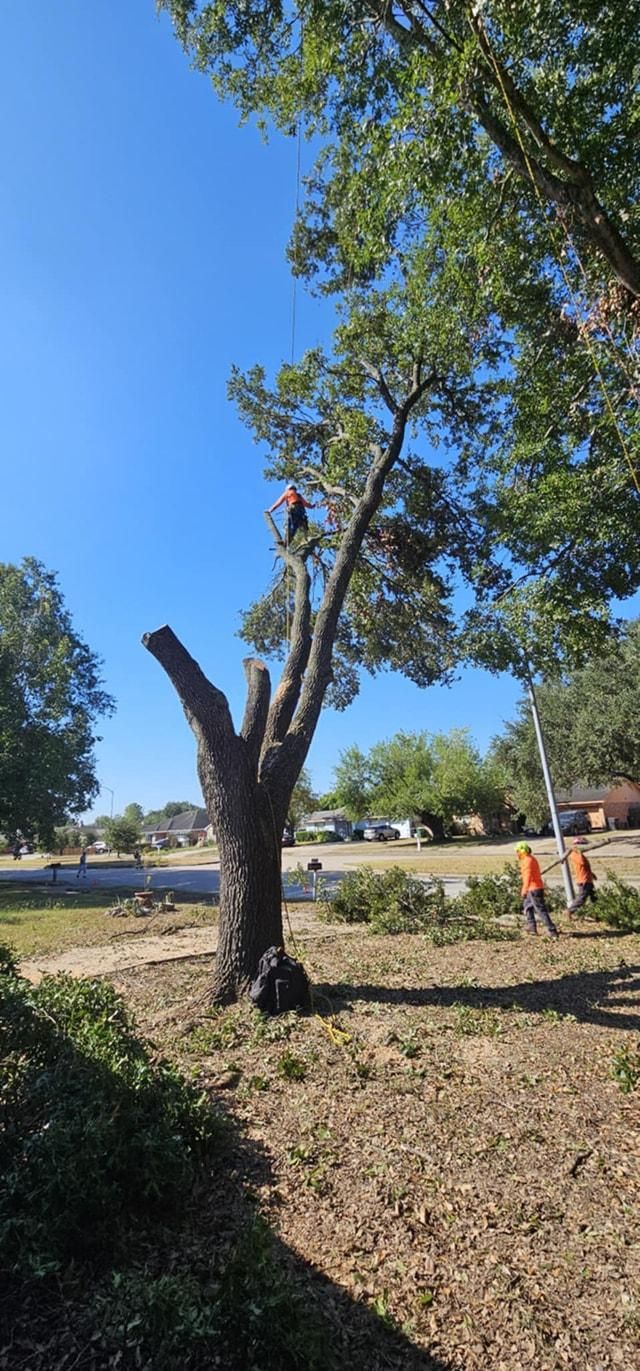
(205, 880)
(336, 859)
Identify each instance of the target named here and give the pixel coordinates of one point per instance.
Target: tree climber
(297, 508)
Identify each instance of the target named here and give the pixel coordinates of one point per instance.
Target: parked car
(288, 839)
(159, 843)
(379, 833)
(99, 847)
(574, 821)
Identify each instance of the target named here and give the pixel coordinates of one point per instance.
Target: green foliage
(493, 897)
(394, 902)
(291, 1067)
(420, 115)
(168, 811)
(625, 1068)
(303, 799)
(123, 834)
(430, 777)
(312, 835)
(50, 699)
(591, 722)
(618, 904)
(95, 1139)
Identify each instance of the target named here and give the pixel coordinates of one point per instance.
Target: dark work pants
(585, 892)
(534, 903)
(297, 519)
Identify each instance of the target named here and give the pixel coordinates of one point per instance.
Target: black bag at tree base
(281, 983)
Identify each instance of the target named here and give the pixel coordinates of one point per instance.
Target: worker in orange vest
(532, 891)
(584, 875)
(297, 508)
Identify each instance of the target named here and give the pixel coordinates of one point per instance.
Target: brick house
(610, 806)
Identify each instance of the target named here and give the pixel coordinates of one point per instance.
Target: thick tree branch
(577, 194)
(572, 188)
(294, 748)
(377, 375)
(287, 694)
(205, 706)
(256, 708)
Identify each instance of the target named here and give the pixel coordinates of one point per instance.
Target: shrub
(309, 835)
(618, 905)
(494, 897)
(94, 1137)
(394, 902)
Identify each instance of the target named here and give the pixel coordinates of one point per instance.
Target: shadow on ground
(589, 995)
(146, 1247)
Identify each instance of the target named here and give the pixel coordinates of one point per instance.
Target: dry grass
(445, 1140)
(40, 919)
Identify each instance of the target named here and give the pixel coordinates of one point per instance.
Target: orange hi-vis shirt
(581, 868)
(530, 873)
(292, 497)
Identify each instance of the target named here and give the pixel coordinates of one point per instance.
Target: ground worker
(584, 876)
(297, 508)
(532, 891)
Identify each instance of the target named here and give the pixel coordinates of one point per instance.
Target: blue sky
(143, 240)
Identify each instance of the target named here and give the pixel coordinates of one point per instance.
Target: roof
(322, 815)
(189, 821)
(582, 794)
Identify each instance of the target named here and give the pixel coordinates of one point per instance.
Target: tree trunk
(250, 889)
(435, 825)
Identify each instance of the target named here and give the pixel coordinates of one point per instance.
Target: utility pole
(566, 874)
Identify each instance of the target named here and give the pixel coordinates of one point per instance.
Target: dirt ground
(443, 1137)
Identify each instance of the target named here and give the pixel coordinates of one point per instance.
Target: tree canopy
(123, 833)
(591, 722)
(486, 158)
(51, 696)
(432, 778)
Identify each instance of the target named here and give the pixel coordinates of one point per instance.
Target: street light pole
(566, 874)
(112, 793)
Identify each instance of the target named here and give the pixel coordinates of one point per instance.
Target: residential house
(608, 806)
(328, 821)
(186, 829)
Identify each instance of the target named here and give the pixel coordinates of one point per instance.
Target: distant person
(137, 859)
(297, 508)
(82, 866)
(17, 853)
(532, 891)
(584, 876)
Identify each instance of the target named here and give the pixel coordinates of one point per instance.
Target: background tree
(591, 721)
(134, 812)
(155, 817)
(123, 834)
(303, 799)
(433, 778)
(51, 696)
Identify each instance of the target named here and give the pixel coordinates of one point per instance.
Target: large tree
(431, 778)
(344, 421)
(51, 697)
(507, 134)
(591, 721)
(529, 503)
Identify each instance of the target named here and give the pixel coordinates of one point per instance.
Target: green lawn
(32, 920)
